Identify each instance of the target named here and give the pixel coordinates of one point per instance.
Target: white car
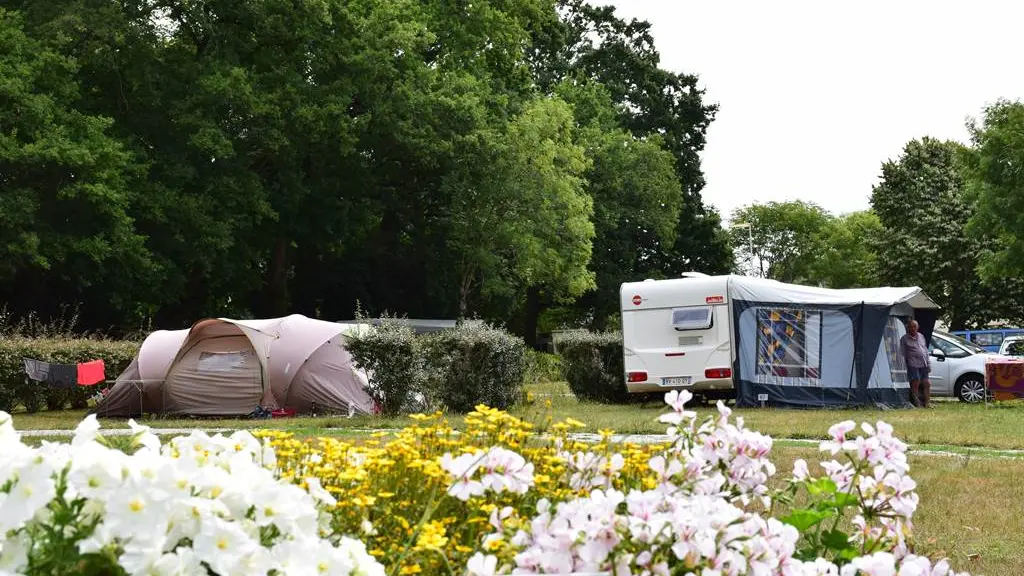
(958, 367)
(1012, 346)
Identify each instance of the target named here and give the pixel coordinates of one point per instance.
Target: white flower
(86, 432)
(800, 471)
(31, 492)
(144, 436)
(222, 544)
(14, 551)
(137, 511)
(316, 490)
(482, 565)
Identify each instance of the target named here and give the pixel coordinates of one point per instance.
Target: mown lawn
(953, 423)
(950, 423)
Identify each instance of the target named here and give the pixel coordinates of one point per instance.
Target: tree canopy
(164, 161)
(784, 236)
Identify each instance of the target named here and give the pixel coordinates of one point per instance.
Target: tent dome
(228, 367)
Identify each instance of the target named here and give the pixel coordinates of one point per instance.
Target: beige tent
(224, 367)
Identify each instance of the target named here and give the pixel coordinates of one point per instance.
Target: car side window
(948, 348)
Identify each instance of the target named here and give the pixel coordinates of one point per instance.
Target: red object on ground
(90, 373)
(283, 413)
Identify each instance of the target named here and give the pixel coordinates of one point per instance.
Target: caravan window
(692, 318)
(789, 342)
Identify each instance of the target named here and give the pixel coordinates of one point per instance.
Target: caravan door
(676, 335)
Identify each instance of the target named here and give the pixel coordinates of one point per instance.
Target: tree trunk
(532, 316)
(465, 290)
(276, 303)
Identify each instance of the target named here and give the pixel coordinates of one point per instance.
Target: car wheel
(970, 388)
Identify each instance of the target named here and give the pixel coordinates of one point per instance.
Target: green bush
(471, 365)
(391, 356)
(542, 367)
(592, 364)
(16, 391)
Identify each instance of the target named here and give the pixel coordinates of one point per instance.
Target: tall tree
(924, 211)
(527, 224)
(637, 200)
(997, 184)
(65, 226)
(843, 254)
(593, 42)
(784, 236)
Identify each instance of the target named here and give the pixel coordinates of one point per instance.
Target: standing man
(915, 352)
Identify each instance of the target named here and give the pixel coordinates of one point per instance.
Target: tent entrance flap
(216, 377)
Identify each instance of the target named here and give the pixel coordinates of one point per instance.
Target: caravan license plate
(676, 381)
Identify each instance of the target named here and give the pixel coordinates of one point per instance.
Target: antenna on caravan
(694, 275)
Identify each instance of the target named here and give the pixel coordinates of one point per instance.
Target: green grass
(950, 423)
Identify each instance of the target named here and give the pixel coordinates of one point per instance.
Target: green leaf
(805, 518)
(835, 540)
(822, 486)
(844, 500)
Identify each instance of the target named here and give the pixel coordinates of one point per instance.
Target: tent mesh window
(789, 343)
(891, 337)
(222, 361)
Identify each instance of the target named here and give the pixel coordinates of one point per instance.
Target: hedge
(16, 391)
(592, 364)
(471, 365)
(391, 356)
(455, 369)
(542, 367)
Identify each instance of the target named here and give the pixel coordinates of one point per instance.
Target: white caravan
(677, 333)
(770, 343)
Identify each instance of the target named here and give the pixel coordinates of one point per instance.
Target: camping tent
(807, 346)
(224, 367)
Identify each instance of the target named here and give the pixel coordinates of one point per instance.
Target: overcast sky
(815, 95)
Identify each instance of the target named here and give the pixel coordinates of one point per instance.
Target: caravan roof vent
(694, 275)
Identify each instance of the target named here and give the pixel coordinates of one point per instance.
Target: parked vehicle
(1012, 346)
(990, 339)
(958, 367)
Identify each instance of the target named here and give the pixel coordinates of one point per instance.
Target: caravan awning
(762, 290)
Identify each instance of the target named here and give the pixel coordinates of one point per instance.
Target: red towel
(90, 373)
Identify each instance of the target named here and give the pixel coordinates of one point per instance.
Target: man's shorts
(914, 373)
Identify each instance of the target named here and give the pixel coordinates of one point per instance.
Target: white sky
(814, 95)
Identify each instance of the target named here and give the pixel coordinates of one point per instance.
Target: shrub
(15, 390)
(391, 357)
(592, 364)
(475, 364)
(542, 367)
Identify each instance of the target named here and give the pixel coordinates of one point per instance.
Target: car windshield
(1014, 346)
(965, 343)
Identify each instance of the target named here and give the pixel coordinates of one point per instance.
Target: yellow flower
(432, 535)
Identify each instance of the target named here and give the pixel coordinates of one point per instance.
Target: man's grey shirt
(915, 350)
